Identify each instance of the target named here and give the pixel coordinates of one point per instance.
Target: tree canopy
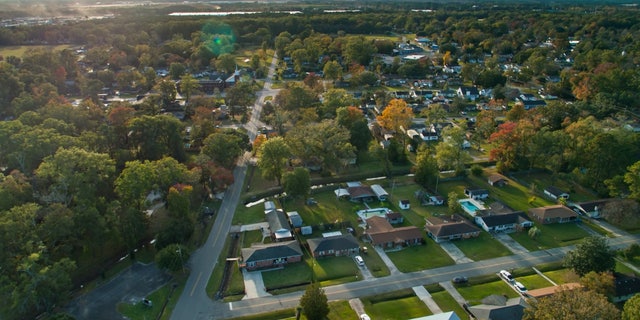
(592, 254)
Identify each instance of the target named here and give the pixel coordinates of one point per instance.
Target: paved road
(352, 290)
(194, 302)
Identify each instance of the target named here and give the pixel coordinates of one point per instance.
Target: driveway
(511, 244)
(392, 267)
(454, 252)
(131, 285)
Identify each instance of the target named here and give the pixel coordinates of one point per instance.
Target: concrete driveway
(454, 252)
(511, 244)
(131, 285)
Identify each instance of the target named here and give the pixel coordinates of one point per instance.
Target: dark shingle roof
(337, 243)
(450, 229)
(504, 219)
(272, 251)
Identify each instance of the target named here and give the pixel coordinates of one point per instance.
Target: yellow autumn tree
(396, 116)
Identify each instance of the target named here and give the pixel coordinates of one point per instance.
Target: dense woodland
(76, 177)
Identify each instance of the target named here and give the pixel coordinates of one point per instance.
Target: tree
(632, 178)
(334, 99)
(153, 137)
(534, 232)
(314, 302)
(395, 116)
(572, 305)
(382, 154)
(602, 283)
(324, 144)
(168, 91)
(272, 158)
(226, 63)
(426, 167)
(297, 183)
(188, 84)
(450, 153)
(621, 212)
(452, 201)
(592, 254)
(359, 50)
(222, 148)
(241, 95)
(332, 70)
(631, 310)
(172, 257)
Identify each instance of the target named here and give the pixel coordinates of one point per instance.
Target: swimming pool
(470, 206)
(368, 213)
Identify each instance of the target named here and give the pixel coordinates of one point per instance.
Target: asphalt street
(194, 302)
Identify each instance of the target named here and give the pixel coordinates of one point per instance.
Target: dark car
(460, 279)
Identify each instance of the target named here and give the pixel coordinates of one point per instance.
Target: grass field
(447, 303)
(474, 294)
(482, 248)
(551, 236)
(20, 51)
(427, 256)
(401, 304)
(534, 281)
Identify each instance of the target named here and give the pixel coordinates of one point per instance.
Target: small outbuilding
(404, 204)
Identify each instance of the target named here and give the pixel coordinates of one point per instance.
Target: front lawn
(374, 263)
(551, 236)
(534, 281)
(427, 256)
(447, 303)
(140, 311)
(295, 274)
(482, 248)
(248, 215)
(562, 276)
(474, 294)
(401, 304)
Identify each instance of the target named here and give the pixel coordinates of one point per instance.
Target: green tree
(325, 144)
(572, 305)
(452, 201)
(334, 99)
(450, 153)
(153, 137)
(172, 257)
(223, 149)
(177, 70)
(631, 310)
(592, 254)
(426, 167)
(382, 154)
(75, 175)
(241, 95)
(632, 178)
(314, 302)
(272, 158)
(297, 183)
(332, 70)
(188, 84)
(534, 232)
(226, 63)
(359, 50)
(602, 283)
(168, 91)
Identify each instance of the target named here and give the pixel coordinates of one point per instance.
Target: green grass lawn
(329, 271)
(565, 182)
(482, 248)
(474, 294)
(534, 281)
(561, 276)
(337, 310)
(374, 263)
(296, 274)
(447, 303)
(19, 51)
(427, 256)
(551, 236)
(401, 304)
(249, 215)
(251, 237)
(139, 311)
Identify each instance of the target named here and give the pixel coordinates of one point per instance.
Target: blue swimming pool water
(469, 206)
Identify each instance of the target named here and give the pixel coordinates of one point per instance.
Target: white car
(507, 276)
(364, 316)
(359, 260)
(520, 287)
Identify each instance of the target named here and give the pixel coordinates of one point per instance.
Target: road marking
(195, 285)
(230, 306)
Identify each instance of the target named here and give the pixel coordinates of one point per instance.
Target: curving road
(194, 302)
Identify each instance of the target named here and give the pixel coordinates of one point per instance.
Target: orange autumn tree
(396, 116)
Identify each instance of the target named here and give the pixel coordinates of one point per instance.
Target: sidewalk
(511, 244)
(447, 285)
(425, 296)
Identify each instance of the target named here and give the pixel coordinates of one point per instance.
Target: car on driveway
(507, 276)
(359, 260)
(520, 287)
(460, 279)
(364, 316)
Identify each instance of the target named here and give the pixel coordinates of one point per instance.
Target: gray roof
(295, 219)
(277, 220)
(272, 251)
(504, 219)
(336, 243)
(513, 310)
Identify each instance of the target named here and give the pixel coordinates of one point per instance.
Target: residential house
(497, 307)
(394, 217)
(470, 93)
(497, 180)
(382, 234)
(451, 228)
(553, 214)
(429, 135)
(272, 255)
(362, 193)
(556, 193)
(380, 193)
(279, 226)
(451, 315)
(269, 206)
(334, 246)
(504, 222)
(476, 193)
(548, 291)
(294, 219)
(530, 104)
(625, 287)
(404, 204)
(591, 209)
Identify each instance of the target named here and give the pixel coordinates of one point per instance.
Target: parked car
(364, 316)
(507, 276)
(460, 279)
(520, 287)
(359, 260)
